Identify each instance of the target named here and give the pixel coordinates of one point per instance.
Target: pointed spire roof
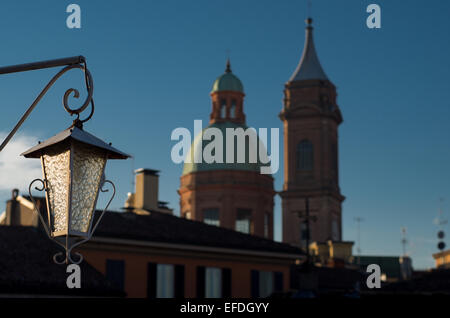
(309, 66)
(228, 68)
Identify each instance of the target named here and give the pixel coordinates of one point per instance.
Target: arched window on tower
(233, 109)
(305, 155)
(223, 108)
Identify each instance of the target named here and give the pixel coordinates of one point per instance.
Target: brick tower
(310, 118)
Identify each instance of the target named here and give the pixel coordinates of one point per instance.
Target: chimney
(146, 196)
(12, 210)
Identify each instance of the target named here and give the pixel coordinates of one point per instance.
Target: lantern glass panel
(87, 169)
(56, 162)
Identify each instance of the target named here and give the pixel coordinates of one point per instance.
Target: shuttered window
(213, 282)
(115, 272)
(165, 280)
(265, 283)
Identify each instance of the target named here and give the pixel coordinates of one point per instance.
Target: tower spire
(228, 68)
(309, 66)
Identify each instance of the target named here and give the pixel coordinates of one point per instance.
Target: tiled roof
(27, 267)
(165, 228)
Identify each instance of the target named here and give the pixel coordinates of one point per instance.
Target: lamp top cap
(79, 135)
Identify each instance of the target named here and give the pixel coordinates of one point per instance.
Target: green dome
(228, 82)
(203, 166)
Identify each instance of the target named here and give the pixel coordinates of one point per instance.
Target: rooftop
(26, 267)
(165, 228)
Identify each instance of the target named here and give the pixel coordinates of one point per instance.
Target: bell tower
(310, 117)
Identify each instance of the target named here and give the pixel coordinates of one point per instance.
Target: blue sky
(154, 62)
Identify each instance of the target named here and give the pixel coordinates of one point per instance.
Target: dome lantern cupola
(227, 82)
(227, 98)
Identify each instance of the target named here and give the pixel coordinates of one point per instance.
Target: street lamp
(73, 164)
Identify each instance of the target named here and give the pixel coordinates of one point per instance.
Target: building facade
(149, 253)
(442, 259)
(231, 195)
(311, 117)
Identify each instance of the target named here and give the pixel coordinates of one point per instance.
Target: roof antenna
(358, 221)
(404, 240)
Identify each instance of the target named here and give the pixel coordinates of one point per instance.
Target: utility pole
(306, 220)
(307, 228)
(358, 238)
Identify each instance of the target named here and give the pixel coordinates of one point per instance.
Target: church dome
(227, 82)
(199, 145)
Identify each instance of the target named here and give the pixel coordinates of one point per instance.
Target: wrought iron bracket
(76, 62)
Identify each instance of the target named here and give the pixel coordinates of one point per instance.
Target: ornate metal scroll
(71, 91)
(68, 243)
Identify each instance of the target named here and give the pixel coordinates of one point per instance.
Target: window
(223, 108)
(305, 155)
(213, 282)
(233, 109)
(266, 225)
(264, 283)
(211, 217)
(165, 281)
(244, 221)
(115, 272)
